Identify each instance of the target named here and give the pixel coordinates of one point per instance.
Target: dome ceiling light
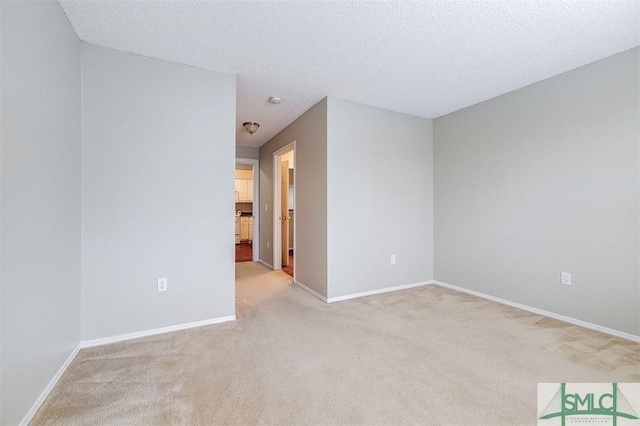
(251, 127)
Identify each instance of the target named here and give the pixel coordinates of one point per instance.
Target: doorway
(284, 227)
(246, 210)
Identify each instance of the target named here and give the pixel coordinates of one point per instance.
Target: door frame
(255, 164)
(277, 223)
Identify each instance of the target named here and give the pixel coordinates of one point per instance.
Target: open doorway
(284, 218)
(246, 210)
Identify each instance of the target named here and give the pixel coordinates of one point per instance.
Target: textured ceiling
(424, 58)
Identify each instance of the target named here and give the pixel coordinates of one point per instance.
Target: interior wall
(289, 158)
(380, 198)
(158, 164)
(310, 133)
(542, 180)
(247, 152)
(40, 200)
(244, 174)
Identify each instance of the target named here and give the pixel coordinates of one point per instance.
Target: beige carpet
(427, 355)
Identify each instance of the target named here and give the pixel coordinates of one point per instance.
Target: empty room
(319, 212)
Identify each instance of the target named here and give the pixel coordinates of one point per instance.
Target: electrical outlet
(393, 259)
(266, 207)
(565, 278)
(267, 244)
(162, 284)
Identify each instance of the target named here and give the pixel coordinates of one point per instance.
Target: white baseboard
(382, 290)
(570, 320)
(47, 390)
(152, 332)
(97, 342)
(313, 292)
(266, 264)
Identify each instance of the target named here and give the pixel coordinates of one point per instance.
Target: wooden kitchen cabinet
(249, 191)
(244, 191)
(246, 228)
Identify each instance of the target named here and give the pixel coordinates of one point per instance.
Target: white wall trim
(47, 390)
(152, 332)
(570, 320)
(313, 292)
(266, 264)
(382, 290)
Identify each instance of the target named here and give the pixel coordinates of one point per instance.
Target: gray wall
(158, 193)
(247, 152)
(40, 204)
(380, 198)
(310, 133)
(543, 180)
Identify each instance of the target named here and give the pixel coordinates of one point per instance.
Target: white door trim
(277, 224)
(256, 204)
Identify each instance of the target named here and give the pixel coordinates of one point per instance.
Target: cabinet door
(242, 186)
(250, 222)
(245, 190)
(249, 191)
(244, 230)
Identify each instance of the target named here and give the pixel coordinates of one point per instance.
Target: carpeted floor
(426, 355)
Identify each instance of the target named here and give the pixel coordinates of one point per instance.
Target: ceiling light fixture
(251, 126)
(275, 100)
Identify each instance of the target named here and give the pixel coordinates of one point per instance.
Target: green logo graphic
(613, 404)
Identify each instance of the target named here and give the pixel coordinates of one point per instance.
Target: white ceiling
(426, 58)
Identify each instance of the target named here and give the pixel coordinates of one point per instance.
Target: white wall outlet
(266, 207)
(393, 259)
(162, 284)
(565, 278)
(267, 244)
